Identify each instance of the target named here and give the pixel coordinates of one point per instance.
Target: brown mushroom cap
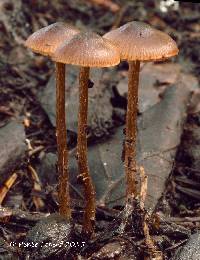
(47, 39)
(139, 41)
(87, 49)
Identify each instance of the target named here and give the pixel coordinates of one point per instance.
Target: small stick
(20, 215)
(113, 7)
(37, 187)
(36, 150)
(154, 254)
(30, 148)
(6, 187)
(143, 186)
(6, 110)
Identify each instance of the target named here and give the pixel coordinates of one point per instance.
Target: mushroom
(86, 50)
(45, 41)
(137, 42)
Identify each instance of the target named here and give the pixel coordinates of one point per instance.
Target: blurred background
(20, 18)
(170, 146)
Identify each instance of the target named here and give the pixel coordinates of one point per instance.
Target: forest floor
(27, 131)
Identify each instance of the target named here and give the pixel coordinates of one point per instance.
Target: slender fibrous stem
(63, 186)
(89, 215)
(131, 129)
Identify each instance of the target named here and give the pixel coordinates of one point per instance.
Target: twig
(17, 214)
(34, 134)
(6, 187)
(143, 189)
(154, 254)
(176, 245)
(77, 191)
(120, 16)
(37, 187)
(185, 219)
(27, 122)
(36, 150)
(6, 110)
(30, 148)
(113, 7)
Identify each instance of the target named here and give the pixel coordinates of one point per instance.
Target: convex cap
(87, 49)
(47, 39)
(139, 41)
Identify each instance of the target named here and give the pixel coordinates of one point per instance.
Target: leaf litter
(31, 73)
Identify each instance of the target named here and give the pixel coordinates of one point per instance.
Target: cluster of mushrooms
(65, 44)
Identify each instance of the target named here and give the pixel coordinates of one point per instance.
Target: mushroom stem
(89, 215)
(63, 186)
(131, 129)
